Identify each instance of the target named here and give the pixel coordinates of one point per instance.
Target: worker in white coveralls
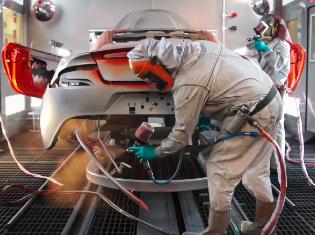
(207, 78)
(274, 59)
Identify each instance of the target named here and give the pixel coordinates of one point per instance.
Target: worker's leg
(257, 181)
(257, 178)
(225, 167)
(229, 161)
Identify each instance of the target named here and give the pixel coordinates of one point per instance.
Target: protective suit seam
(193, 85)
(214, 67)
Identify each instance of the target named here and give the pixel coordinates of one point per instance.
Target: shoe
(217, 223)
(264, 211)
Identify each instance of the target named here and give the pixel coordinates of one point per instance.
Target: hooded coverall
(214, 81)
(276, 63)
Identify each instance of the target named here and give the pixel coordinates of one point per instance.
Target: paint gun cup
(144, 133)
(142, 136)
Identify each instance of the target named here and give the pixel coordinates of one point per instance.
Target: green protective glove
(144, 153)
(203, 123)
(260, 45)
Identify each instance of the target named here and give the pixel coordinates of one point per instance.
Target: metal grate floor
(45, 215)
(11, 170)
(6, 213)
(43, 221)
(107, 221)
(15, 194)
(298, 220)
(22, 155)
(291, 221)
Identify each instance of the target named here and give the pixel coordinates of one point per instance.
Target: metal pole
(277, 4)
(223, 21)
(1, 68)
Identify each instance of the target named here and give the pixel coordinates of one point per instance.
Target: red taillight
(16, 61)
(112, 56)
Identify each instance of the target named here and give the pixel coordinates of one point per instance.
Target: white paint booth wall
(74, 18)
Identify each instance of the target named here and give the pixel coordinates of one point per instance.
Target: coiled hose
(301, 144)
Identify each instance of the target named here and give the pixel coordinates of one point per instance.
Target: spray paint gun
(142, 137)
(260, 34)
(255, 37)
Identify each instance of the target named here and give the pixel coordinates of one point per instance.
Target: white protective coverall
(276, 63)
(213, 80)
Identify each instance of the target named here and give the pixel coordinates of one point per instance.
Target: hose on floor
(33, 193)
(22, 168)
(301, 162)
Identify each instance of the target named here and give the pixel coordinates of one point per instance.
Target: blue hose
(229, 136)
(164, 182)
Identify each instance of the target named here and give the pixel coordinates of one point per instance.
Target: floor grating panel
(44, 221)
(110, 222)
(11, 170)
(47, 215)
(297, 221)
(6, 213)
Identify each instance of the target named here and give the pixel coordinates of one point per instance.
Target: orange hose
(271, 224)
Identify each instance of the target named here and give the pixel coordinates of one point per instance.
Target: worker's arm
(189, 101)
(276, 62)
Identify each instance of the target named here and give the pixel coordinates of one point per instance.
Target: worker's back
(230, 79)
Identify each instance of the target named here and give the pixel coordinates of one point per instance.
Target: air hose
(293, 161)
(142, 137)
(301, 144)
(271, 224)
(147, 167)
(33, 193)
(229, 136)
(17, 161)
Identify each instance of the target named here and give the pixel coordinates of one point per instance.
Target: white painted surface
(74, 18)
